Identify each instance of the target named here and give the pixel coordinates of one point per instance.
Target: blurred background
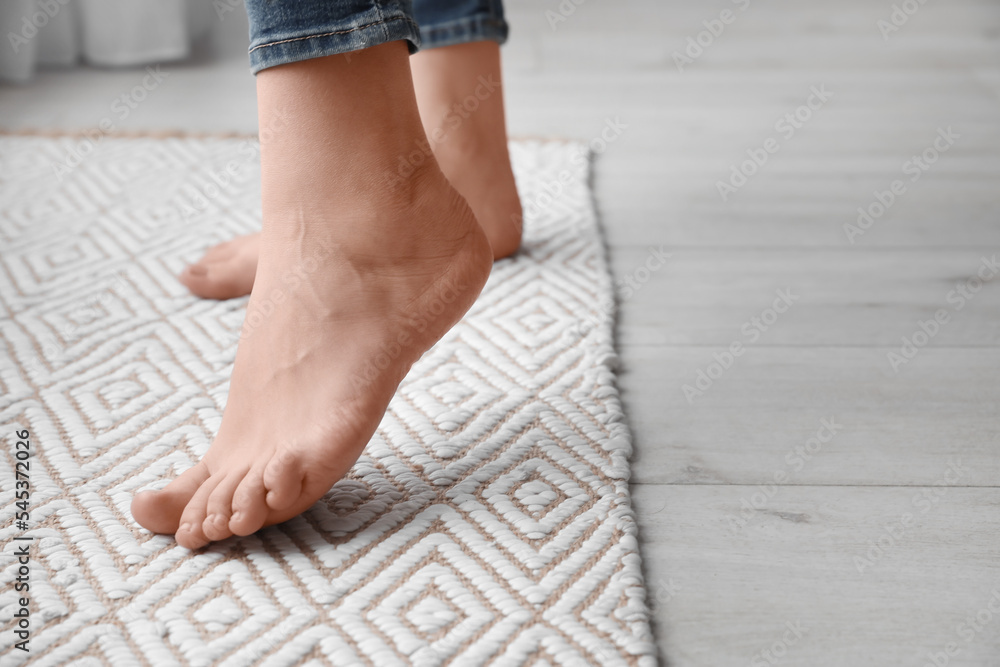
(760, 143)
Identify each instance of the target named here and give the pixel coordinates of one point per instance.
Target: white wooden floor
(813, 505)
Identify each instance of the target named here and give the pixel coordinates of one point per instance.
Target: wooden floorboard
(842, 297)
(868, 576)
(761, 416)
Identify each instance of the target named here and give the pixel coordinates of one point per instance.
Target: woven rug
(488, 521)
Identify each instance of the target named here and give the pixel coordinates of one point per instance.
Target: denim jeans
(286, 31)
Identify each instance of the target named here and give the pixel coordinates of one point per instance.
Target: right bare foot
(356, 281)
(461, 107)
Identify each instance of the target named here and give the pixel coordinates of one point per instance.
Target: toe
(249, 508)
(219, 509)
(189, 533)
(226, 271)
(218, 280)
(283, 479)
(160, 511)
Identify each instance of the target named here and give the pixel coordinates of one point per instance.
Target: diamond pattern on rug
(487, 523)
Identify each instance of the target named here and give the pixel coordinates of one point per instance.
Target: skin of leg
(460, 98)
(357, 277)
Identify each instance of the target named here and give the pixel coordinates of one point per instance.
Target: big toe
(160, 511)
(225, 279)
(222, 279)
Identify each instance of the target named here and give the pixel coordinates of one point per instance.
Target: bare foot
(226, 271)
(388, 272)
(460, 98)
(461, 107)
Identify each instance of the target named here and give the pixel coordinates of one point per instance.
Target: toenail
(197, 270)
(185, 528)
(236, 516)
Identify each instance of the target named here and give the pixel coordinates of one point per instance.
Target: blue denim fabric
(286, 31)
(448, 22)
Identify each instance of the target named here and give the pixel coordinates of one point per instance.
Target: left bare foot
(226, 271)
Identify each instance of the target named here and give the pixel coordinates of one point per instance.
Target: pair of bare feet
(386, 196)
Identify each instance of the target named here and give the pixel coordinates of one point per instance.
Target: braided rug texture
(487, 523)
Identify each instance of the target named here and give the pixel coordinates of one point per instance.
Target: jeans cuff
(318, 45)
(472, 29)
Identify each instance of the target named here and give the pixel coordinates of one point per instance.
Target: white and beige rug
(488, 522)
